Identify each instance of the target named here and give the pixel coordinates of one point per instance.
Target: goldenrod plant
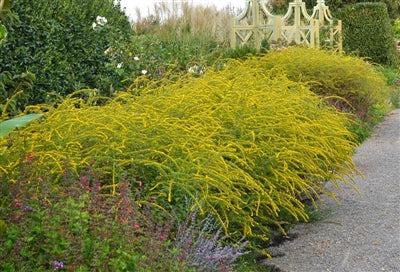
(244, 143)
(349, 83)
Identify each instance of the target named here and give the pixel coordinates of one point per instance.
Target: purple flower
(29, 209)
(58, 265)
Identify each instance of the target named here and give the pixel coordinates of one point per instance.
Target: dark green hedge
(393, 6)
(367, 32)
(55, 40)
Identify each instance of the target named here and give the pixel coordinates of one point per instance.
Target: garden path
(356, 234)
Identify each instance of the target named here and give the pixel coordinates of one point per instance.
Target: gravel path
(355, 235)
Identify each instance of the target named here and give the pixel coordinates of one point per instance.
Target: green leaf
(3, 32)
(7, 126)
(3, 227)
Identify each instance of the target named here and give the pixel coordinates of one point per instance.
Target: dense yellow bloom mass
(243, 142)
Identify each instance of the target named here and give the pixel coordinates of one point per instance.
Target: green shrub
(397, 28)
(392, 75)
(63, 44)
(159, 54)
(240, 52)
(243, 143)
(349, 83)
(367, 32)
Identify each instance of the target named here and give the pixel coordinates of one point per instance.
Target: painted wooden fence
(257, 24)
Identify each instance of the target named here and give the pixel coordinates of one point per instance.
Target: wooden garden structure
(257, 24)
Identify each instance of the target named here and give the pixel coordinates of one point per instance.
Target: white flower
(144, 72)
(196, 69)
(94, 26)
(101, 20)
(108, 50)
(119, 65)
(136, 58)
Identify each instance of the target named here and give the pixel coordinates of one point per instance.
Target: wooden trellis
(256, 24)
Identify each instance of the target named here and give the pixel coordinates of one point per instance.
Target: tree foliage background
(58, 41)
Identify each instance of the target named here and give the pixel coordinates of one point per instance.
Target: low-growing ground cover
(76, 228)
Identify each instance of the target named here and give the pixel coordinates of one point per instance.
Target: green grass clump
(244, 144)
(350, 83)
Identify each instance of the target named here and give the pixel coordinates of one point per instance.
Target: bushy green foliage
(367, 32)
(349, 83)
(155, 54)
(392, 75)
(240, 52)
(59, 42)
(76, 228)
(397, 28)
(244, 143)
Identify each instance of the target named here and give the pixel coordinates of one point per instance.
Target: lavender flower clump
(202, 249)
(58, 265)
(29, 209)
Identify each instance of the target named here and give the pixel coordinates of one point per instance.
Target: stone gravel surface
(356, 234)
